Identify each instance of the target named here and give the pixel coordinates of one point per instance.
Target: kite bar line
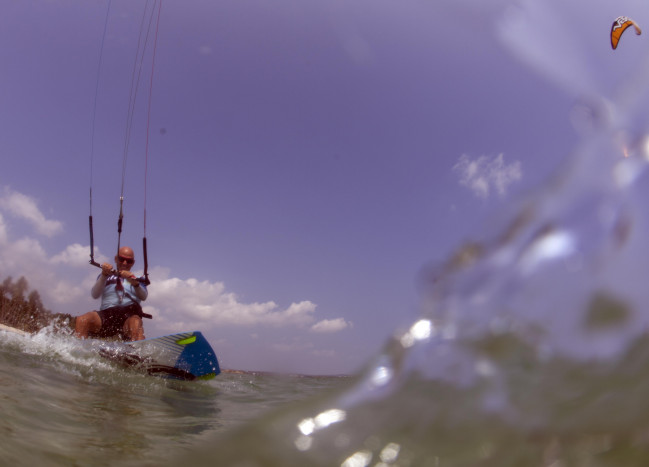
(92, 143)
(132, 100)
(135, 80)
(146, 150)
(92, 244)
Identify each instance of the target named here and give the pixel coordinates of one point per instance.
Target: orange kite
(621, 24)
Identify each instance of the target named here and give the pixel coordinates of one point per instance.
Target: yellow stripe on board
(189, 340)
(207, 376)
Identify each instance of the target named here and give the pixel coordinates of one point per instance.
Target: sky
(305, 159)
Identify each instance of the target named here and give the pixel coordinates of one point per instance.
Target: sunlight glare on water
(421, 330)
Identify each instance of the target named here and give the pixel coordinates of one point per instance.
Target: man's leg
(87, 323)
(133, 328)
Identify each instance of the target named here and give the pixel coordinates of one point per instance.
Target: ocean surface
(62, 404)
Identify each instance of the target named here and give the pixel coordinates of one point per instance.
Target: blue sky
(306, 159)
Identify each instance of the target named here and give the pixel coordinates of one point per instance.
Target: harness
(136, 307)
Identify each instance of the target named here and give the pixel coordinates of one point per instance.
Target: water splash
(527, 339)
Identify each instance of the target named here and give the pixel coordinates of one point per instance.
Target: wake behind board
(186, 356)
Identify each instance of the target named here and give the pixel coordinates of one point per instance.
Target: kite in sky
(621, 24)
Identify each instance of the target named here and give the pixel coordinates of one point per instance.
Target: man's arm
(140, 291)
(138, 288)
(98, 288)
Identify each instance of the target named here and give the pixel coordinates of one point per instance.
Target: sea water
(531, 348)
(62, 404)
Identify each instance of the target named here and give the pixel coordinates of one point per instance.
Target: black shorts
(113, 319)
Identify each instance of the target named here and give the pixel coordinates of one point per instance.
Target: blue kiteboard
(186, 356)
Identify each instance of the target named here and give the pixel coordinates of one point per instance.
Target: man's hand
(106, 268)
(130, 276)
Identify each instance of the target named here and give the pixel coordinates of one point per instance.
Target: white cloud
(330, 325)
(74, 255)
(484, 175)
(190, 300)
(25, 207)
(26, 257)
(64, 281)
(70, 296)
(3, 231)
(22, 252)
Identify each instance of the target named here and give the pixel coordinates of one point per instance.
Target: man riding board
(120, 314)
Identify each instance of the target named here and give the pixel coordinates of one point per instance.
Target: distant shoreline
(298, 375)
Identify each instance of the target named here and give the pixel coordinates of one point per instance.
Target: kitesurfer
(120, 314)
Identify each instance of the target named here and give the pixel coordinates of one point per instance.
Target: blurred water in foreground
(532, 345)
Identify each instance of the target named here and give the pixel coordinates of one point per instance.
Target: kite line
(144, 37)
